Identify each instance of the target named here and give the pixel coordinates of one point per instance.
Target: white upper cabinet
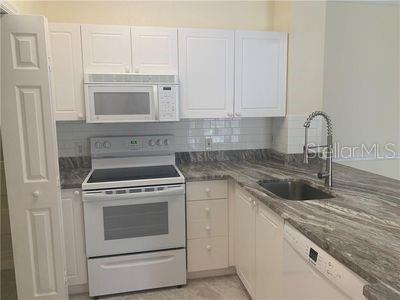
(260, 73)
(106, 49)
(66, 52)
(155, 50)
(206, 68)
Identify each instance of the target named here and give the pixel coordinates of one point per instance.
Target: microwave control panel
(168, 104)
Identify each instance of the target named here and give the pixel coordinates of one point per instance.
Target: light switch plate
(209, 143)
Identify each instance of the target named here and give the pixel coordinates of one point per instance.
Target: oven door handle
(101, 196)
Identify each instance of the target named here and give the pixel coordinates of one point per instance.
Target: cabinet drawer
(207, 254)
(206, 190)
(207, 218)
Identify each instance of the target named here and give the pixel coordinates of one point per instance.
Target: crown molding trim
(7, 8)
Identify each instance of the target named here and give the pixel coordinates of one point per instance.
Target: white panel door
(106, 49)
(66, 54)
(206, 72)
(260, 73)
(155, 50)
(31, 160)
(72, 211)
(269, 250)
(245, 240)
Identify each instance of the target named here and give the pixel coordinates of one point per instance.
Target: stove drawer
(124, 273)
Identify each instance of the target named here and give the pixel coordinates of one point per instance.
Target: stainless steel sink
(297, 190)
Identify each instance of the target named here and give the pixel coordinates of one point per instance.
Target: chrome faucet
(327, 175)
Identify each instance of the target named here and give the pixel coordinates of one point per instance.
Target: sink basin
(297, 190)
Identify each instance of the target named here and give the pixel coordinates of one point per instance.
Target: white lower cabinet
(245, 240)
(207, 254)
(269, 252)
(72, 213)
(207, 225)
(258, 247)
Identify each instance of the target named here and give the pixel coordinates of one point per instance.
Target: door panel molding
(31, 159)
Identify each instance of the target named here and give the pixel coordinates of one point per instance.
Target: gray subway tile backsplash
(190, 135)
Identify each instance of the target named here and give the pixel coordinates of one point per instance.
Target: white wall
(204, 14)
(361, 78)
(306, 57)
(190, 135)
(305, 20)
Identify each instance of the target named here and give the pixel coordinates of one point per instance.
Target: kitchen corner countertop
(360, 227)
(73, 178)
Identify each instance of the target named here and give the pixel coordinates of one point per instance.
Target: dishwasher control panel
(349, 282)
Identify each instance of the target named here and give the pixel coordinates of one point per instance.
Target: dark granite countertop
(73, 178)
(360, 227)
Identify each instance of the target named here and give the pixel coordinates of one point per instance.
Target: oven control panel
(119, 146)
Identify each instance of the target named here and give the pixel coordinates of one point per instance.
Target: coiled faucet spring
(327, 175)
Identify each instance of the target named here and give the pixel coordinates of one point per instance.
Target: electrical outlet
(209, 143)
(79, 148)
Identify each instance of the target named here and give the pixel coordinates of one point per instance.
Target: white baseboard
(84, 288)
(211, 273)
(78, 289)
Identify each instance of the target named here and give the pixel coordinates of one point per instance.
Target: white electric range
(134, 213)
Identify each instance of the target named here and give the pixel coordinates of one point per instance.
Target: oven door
(120, 103)
(134, 220)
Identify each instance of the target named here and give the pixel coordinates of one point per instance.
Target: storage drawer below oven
(124, 273)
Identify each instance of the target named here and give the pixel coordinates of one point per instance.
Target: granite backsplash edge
(84, 162)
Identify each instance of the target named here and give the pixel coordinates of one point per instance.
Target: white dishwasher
(311, 273)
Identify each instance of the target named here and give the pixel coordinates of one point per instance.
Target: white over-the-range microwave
(116, 98)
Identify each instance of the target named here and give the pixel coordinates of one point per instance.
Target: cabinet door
(206, 66)
(106, 49)
(245, 240)
(269, 248)
(72, 211)
(66, 53)
(155, 50)
(260, 73)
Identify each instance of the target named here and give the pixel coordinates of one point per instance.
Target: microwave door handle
(89, 197)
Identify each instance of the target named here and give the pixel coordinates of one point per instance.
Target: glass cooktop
(133, 173)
